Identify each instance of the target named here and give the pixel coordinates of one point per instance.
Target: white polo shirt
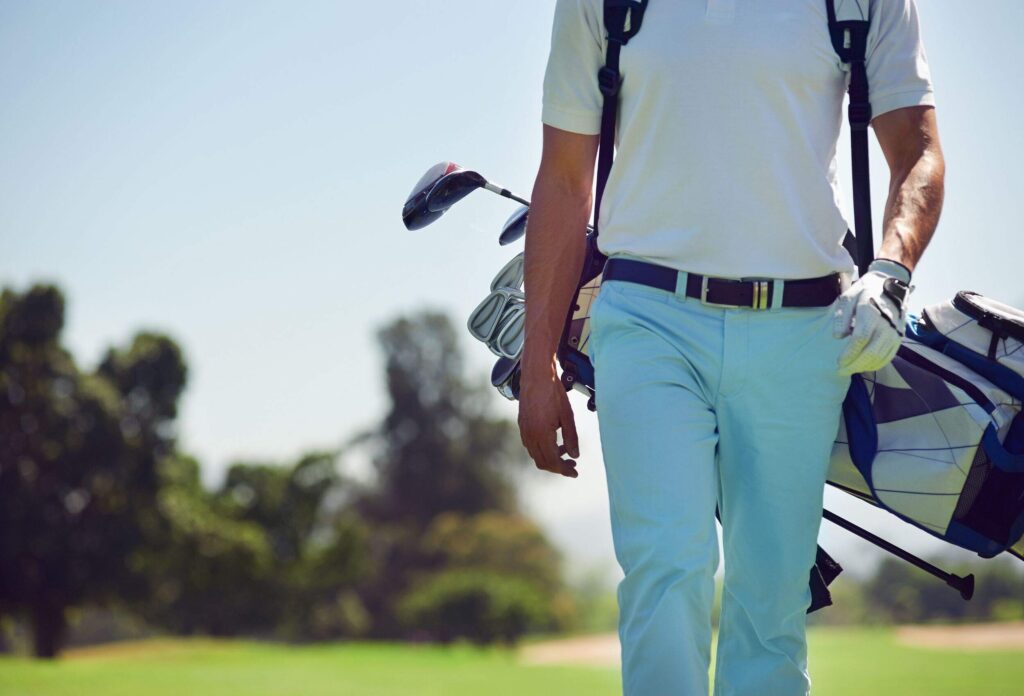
(729, 119)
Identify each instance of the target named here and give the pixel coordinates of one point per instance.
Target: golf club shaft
(506, 193)
(964, 585)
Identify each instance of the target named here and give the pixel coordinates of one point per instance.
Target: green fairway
(205, 668)
(844, 662)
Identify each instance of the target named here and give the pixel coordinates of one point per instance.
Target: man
(725, 169)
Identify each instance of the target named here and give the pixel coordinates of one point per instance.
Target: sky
(232, 173)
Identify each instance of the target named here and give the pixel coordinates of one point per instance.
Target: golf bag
(937, 436)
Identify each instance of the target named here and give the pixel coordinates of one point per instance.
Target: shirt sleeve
(898, 73)
(572, 99)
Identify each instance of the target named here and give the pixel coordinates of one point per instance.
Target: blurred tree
(78, 457)
(479, 605)
(285, 501)
(262, 555)
(322, 598)
(900, 593)
(317, 548)
(207, 572)
(439, 449)
(505, 543)
(465, 549)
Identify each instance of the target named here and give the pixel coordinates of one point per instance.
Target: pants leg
(652, 354)
(778, 418)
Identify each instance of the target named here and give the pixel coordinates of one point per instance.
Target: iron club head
(510, 275)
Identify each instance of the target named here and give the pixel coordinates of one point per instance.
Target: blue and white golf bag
(937, 437)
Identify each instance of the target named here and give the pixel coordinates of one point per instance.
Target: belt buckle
(704, 295)
(758, 301)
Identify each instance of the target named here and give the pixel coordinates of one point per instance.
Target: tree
(317, 549)
(439, 449)
(900, 593)
(285, 501)
(78, 455)
(493, 575)
(206, 571)
(262, 555)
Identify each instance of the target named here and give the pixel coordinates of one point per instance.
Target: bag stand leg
(965, 586)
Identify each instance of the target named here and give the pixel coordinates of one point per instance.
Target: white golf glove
(874, 312)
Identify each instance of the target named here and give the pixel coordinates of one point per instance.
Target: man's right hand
(555, 249)
(544, 408)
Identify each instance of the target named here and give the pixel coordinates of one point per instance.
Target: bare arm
(555, 246)
(909, 139)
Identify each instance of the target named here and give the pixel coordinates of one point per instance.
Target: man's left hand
(873, 311)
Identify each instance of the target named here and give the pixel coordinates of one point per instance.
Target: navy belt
(726, 292)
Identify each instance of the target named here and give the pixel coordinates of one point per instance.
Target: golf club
(505, 377)
(485, 320)
(510, 275)
(508, 338)
(515, 227)
(444, 185)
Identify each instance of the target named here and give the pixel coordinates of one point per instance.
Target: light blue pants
(698, 406)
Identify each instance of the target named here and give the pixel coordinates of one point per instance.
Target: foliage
(438, 448)
(509, 545)
(207, 572)
(900, 593)
(479, 605)
(258, 556)
(78, 455)
(99, 508)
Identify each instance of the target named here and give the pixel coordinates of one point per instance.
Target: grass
(844, 662)
(209, 668)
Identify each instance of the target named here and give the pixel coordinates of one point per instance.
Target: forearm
(555, 248)
(914, 203)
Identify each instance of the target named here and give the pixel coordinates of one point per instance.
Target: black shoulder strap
(616, 14)
(850, 40)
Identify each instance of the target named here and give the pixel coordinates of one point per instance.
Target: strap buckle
(759, 300)
(608, 81)
(859, 116)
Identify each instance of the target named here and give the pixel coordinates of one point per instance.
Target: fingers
(884, 349)
(861, 336)
(548, 457)
(886, 310)
(876, 352)
(842, 322)
(538, 428)
(544, 409)
(570, 439)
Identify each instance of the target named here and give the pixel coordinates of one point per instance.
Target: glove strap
(891, 268)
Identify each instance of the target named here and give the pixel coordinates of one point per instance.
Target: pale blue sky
(232, 173)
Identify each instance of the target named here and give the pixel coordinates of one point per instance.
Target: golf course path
(601, 650)
(993, 636)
